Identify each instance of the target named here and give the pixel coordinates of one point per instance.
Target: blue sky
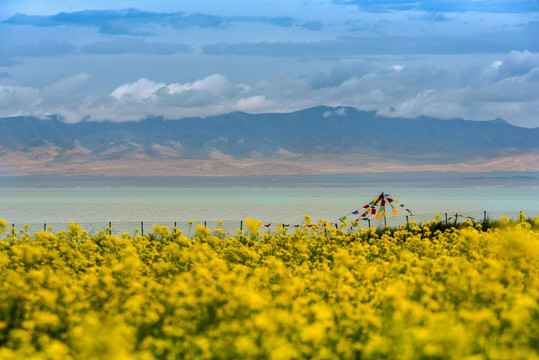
(125, 60)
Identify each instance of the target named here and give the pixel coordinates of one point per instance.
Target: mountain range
(314, 140)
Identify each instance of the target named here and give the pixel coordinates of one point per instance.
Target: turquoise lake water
(166, 204)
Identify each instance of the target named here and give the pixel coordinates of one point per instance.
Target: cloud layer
(136, 22)
(503, 88)
(451, 58)
(491, 6)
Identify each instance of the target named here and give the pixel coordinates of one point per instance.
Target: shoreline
(525, 179)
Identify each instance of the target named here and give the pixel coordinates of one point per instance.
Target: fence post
(175, 226)
(456, 218)
(369, 220)
(241, 225)
(12, 229)
(110, 228)
(142, 228)
(484, 217)
(45, 227)
(446, 219)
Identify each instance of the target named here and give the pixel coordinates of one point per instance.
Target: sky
(126, 60)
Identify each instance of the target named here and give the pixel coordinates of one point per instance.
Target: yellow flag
(395, 212)
(378, 215)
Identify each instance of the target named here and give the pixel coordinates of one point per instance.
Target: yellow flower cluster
(253, 226)
(416, 292)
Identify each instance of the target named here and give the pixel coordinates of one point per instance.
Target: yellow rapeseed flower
(253, 226)
(202, 231)
(408, 292)
(535, 222)
(157, 229)
(74, 228)
(3, 225)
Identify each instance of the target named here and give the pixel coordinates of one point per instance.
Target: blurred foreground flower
(3, 225)
(413, 292)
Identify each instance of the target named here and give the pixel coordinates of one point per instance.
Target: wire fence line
(232, 227)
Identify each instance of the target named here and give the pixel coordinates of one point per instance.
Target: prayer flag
(376, 208)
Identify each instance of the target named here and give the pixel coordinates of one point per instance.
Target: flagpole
(384, 199)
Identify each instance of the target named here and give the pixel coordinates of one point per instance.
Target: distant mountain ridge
(321, 132)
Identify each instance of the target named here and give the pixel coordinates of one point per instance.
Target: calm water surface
(39, 205)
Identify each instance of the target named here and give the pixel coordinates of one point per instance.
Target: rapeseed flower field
(420, 291)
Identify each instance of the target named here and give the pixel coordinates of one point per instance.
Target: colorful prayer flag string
(377, 208)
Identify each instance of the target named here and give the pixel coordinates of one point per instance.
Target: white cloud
(141, 89)
(508, 90)
(68, 84)
(496, 64)
(126, 67)
(340, 112)
(149, 90)
(213, 84)
(254, 103)
(15, 98)
(210, 95)
(518, 63)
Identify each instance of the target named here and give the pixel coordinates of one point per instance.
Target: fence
(232, 227)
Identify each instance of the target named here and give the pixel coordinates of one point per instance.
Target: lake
(275, 204)
(285, 202)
